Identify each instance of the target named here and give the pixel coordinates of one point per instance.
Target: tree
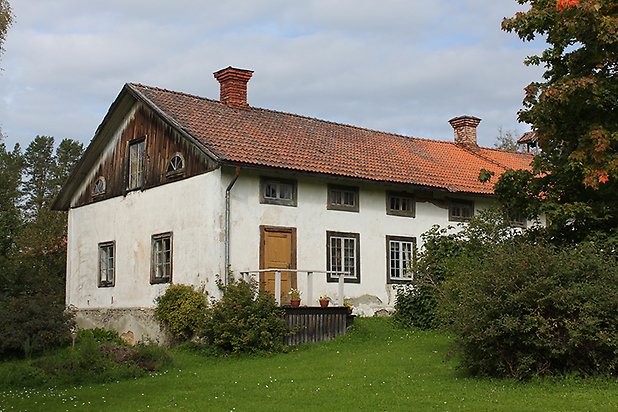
(573, 110)
(33, 246)
(6, 19)
(507, 140)
(10, 216)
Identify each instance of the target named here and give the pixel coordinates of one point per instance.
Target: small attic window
(99, 186)
(176, 166)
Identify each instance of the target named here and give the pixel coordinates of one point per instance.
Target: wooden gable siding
(162, 142)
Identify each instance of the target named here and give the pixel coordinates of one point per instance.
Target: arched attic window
(99, 186)
(176, 166)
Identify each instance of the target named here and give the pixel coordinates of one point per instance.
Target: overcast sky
(403, 66)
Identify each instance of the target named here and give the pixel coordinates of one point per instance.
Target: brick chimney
(465, 129)
(233, 84)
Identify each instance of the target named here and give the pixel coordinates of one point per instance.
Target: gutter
(226, 276)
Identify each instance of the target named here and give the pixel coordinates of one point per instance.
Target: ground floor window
(401, 255)
(161, 271)
(343, 254)
(106, 264)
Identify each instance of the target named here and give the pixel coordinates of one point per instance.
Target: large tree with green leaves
(6, 18)
(33, 245)
(574, 110)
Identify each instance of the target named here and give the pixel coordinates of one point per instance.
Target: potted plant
(324, 300)
(348, 305)
(294, 297)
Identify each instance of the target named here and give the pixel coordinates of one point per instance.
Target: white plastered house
(176, 188)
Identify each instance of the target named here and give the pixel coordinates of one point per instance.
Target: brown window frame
(265, 181)
(400, 239)
(140, 174)
(103, 247)
(331, 205)
(356, 276)
(398, 212)
(154, 264)
(461, 204)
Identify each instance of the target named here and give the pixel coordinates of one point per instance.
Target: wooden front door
(278, 250)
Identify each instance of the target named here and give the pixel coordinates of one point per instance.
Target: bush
(415, 307)
(87, 362)
(182, 310)
(531, 309)
(33, 323)
(245, 320)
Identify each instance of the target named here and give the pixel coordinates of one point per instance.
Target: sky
(402, 66)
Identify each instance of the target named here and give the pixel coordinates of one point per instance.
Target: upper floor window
(278, 191)
(343, 255)
(400, 204)
(460, 210)
(106, 264)
(343, 198)
(161, 266)
(400, 259)
(176, 166)
(99, 186)
(137, 152)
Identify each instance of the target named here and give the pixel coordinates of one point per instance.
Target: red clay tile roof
(528, 137)
(281, 140)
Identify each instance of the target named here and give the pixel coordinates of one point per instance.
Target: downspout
(227, 225)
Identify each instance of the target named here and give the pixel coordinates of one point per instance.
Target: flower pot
(324, 303)
(295, 303)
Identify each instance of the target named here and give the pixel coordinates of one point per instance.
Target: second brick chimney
(233, 84)
(465, 129)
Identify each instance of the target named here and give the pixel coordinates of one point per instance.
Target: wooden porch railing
(314, 324)
(249, 274)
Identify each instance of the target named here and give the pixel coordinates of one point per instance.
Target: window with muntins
(343, 255)
(161, 271)
(137, 152)
(106, 264)
(278, 191)
(176, 166)
(400, 259)
(343, 198)
(460, 210)
(400, 204)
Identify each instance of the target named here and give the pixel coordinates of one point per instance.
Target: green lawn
(377, 367)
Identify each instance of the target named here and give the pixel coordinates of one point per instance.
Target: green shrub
(415, 307)
(245, 320)
(182, 310)
(532, 309)
(100, 335)
(87, 362)
(33, 323)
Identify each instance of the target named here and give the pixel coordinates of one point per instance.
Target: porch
(310, 322)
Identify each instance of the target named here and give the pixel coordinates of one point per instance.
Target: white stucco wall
(192, 209)
(312, 219)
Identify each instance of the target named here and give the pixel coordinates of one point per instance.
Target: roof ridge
(487, 158)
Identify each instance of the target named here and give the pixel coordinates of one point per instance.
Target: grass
(376, 367)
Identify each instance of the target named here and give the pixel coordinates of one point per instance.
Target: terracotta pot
(295, 303)
(324, 303)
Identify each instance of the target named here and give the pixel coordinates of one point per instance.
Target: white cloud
(394, 65)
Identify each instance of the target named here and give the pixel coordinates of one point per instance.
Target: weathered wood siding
(313, 324)
(162, 142)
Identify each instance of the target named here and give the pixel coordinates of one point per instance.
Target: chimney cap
(465, 117)
(233, 72)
